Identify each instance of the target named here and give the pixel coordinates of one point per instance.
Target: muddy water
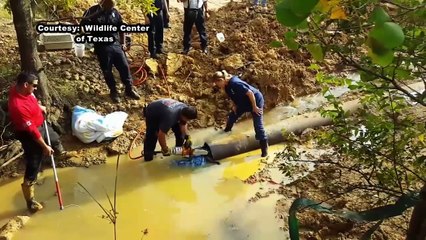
(171, 202)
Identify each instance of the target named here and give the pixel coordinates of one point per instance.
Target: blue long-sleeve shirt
(237, 91)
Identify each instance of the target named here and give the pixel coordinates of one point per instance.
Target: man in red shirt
(27, 119)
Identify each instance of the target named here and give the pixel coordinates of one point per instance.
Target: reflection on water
(172, 203)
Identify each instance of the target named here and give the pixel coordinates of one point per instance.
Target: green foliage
(384, 144)
(61, 4)
(381, 57)
(388, 145)
(379, 16)
(147, 6)
(276, 44)
(286, 17)
(6, 6)
(316, 51)
(377, 33)
(302, 7)
(289, 40)
(382, 39)
(53, 9)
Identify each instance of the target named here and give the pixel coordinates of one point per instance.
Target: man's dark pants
(257, 120)
(33, 152)
(165, 19)
(151, 136)
(156, 32)
(192, 16)
(110, 55)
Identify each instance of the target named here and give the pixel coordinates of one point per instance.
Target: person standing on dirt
(111, 53)
(166, 17)
(161, 116)
(195, 12)
(256, 5)
(245, 98)
(27, 120)
(156, 28)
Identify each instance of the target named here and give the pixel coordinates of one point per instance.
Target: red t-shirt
(25, 113)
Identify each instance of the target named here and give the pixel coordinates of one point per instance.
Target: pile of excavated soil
(12, 226)
(280, 74)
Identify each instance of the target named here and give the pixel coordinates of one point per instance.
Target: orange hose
(144, 74)
(132, 146)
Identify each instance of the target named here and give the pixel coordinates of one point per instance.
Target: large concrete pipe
(241, 143)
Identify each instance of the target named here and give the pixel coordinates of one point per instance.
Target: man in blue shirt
(161, 116)
(245, 98)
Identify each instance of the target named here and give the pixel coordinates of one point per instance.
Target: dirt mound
(279, 73)
(12, 226)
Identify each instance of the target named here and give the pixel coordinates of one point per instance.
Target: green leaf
(389, 35)
(286, 17)
(314, 66)
(403, 74)
(303, 26)
(376, 47)
(289, 40)
(290, 35)
(276, 44)
(382, 59)
(291, 44)
(302, 7)
(316, 51)
(353, 87)
(366, 77)
(421, 138)
(379, 16)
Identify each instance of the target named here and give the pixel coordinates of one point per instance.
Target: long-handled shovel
(58, 190)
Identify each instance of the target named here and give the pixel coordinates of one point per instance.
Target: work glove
(187, 143)
(166, 152)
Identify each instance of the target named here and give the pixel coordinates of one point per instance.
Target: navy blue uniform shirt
(166, 112)
(237, 90)
(100, 17)
(158, 4)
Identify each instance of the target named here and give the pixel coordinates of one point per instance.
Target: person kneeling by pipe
(245, 98)
(161, 116)
(27, 120)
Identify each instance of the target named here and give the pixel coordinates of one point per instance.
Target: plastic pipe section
(241, 143)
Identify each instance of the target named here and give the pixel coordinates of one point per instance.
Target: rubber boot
(114, 96)
(131, 93)
(28, 191)
(228, 127)
(264, 147)
(59, 149)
